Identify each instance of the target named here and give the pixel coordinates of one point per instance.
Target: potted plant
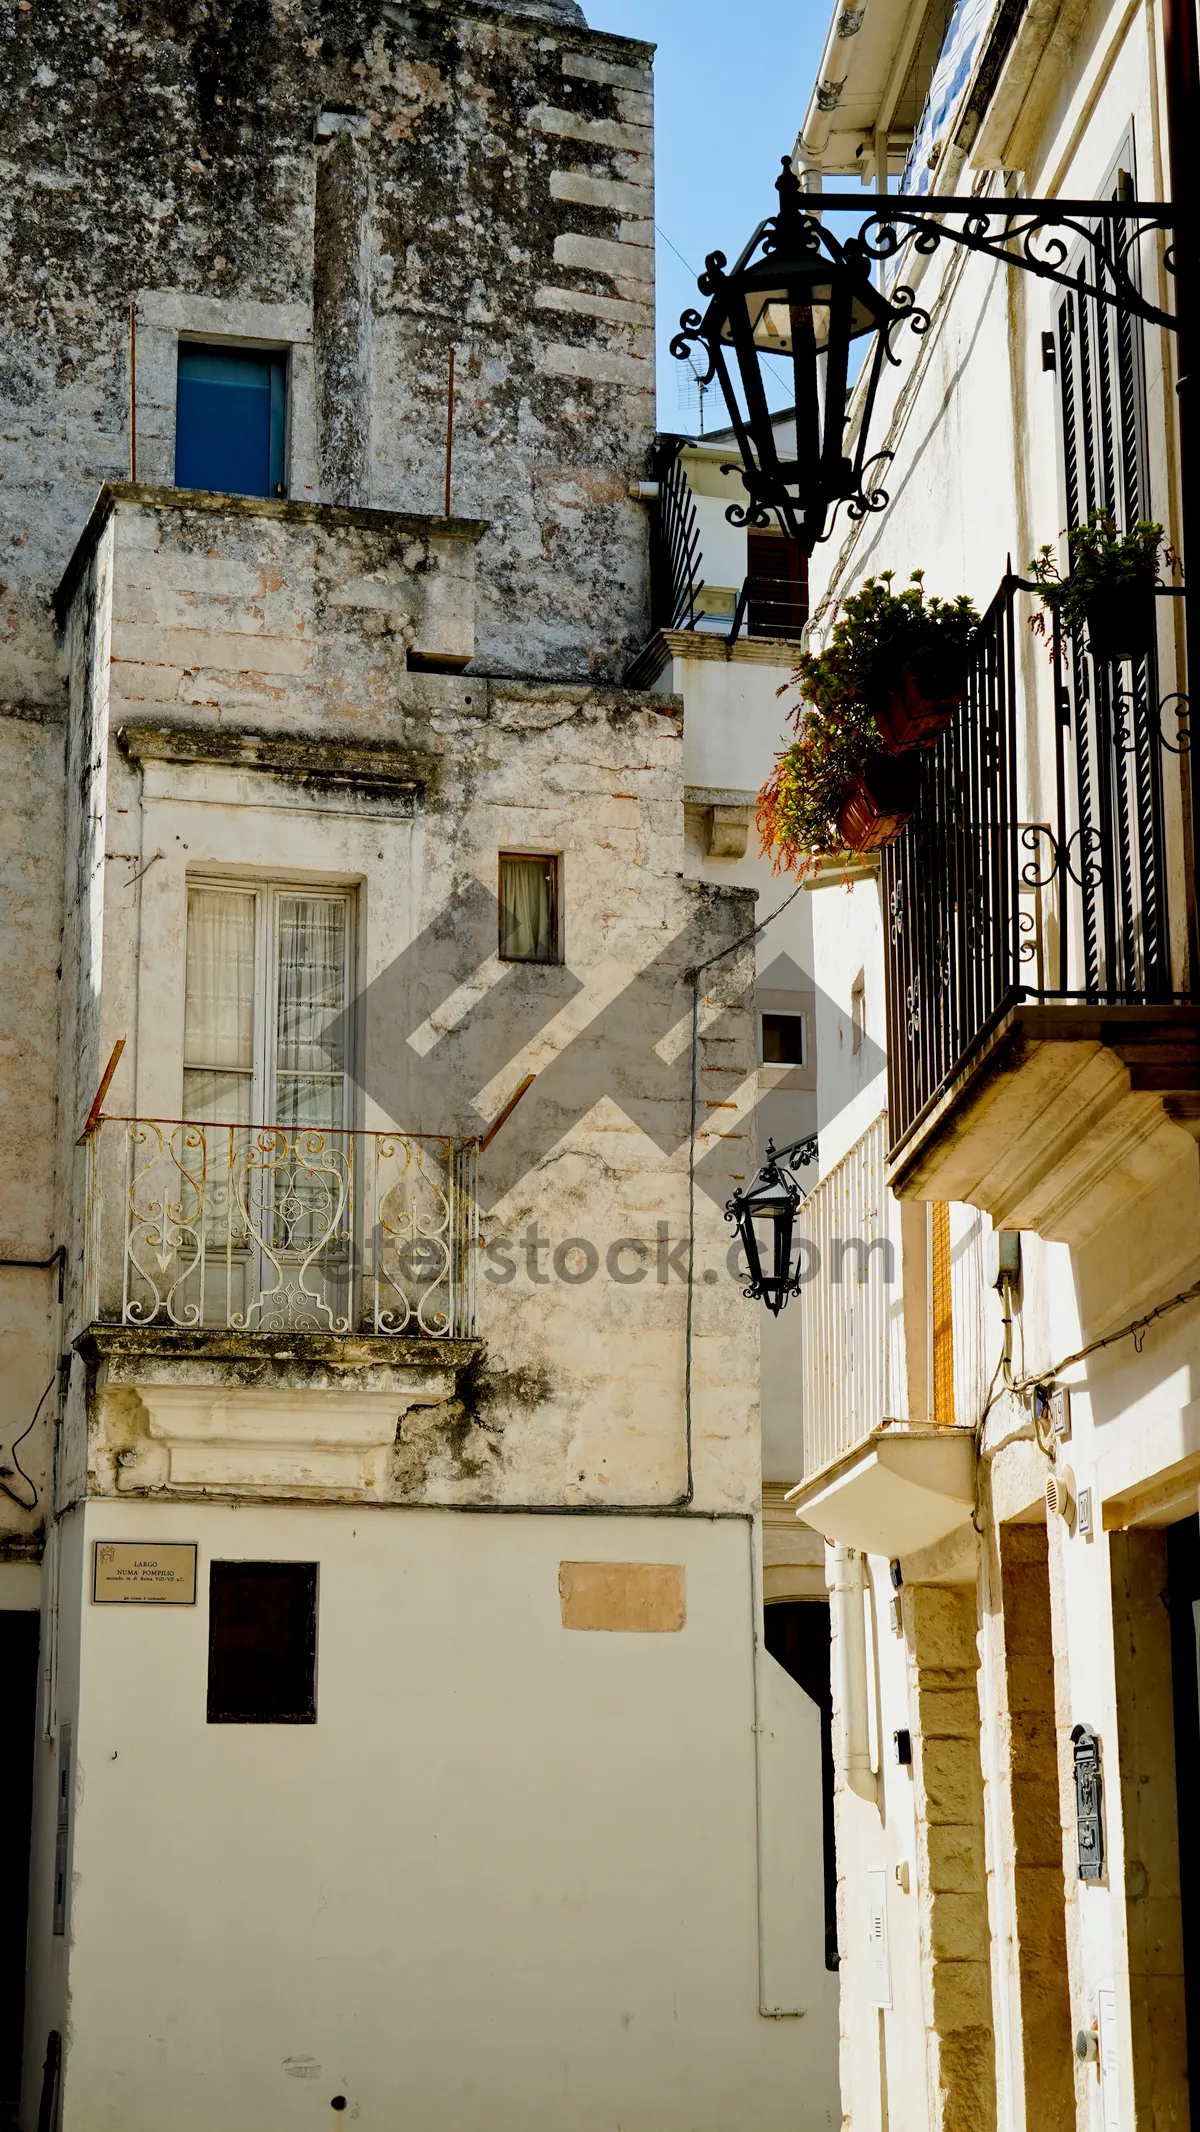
(885, 685)
(902, 654)
(1109, 588)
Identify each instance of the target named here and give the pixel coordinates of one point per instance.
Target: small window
(858, 1013)
(528, 909)
(262, 1643)
(230, 415)
(783, 1040)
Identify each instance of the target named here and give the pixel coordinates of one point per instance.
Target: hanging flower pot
(1109, 588)
(848, 780)
(878, 804)
(916, 713)
(1121, 624)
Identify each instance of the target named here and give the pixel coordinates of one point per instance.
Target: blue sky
(731, 84)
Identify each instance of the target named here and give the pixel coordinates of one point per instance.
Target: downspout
(831, 75)
(850, 1645)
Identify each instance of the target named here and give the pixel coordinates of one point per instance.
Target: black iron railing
(1037, 866)
(675, 560)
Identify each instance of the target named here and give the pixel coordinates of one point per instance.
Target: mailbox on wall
(1089, 1802)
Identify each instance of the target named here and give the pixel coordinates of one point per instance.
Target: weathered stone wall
(1034, 1822)
(31, 811)
(243, 664)
(486, 185)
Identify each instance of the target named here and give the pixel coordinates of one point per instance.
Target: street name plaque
(144, 1573)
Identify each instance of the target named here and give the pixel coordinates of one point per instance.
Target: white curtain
(218, 1040)
(310, 1010)
(527, 910)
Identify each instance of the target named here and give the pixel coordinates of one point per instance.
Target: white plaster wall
(733, 727)
(508, 1879)
(975, 480)
(848, 940)
(722, 546)
(882, 2048)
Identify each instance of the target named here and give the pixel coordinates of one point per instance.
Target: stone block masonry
(944, 1660)
(367, 187)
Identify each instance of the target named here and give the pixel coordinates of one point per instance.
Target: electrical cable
(694, 975)
(691, 270)
(1135, 1331)
(1020, 1387)
(16, 1463)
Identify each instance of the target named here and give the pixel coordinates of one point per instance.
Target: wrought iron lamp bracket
(795, 266)
(1010, 232)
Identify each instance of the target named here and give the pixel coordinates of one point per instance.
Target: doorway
(797, 1637)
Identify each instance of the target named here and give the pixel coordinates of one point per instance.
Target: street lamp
(798, 294)
(771, 1202)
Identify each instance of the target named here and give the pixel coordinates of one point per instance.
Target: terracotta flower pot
(878, 803)
(1120, 622)
(911, 719)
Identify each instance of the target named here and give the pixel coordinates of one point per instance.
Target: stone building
(381, 1559)
(1000, 1423)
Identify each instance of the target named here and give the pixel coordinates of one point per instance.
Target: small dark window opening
(776, 586)
(262, 1643)
(230, 420)
(528, 908)
(783, 1040)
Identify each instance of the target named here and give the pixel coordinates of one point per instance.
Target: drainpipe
(831, 75)
(850, 1644)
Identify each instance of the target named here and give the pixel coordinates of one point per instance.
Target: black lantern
(771, 1203)
(799, 294)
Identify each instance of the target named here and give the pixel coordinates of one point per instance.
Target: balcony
(276, 1298)
(1043, 1023)
(280, 1229)
(871, 1481)
(717, 592)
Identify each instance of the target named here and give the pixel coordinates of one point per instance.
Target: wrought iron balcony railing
(1038, 867)
(848, 1357)
(281, 1228)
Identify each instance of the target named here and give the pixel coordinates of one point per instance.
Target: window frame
(278, 355)
(554, 860)
(264, 1034)
(783, 1014)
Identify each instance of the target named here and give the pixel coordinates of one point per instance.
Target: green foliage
(1102, 561)
(879, 632)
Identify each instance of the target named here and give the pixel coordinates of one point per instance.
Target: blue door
(229, 421)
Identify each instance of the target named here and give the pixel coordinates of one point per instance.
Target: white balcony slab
(904, 1487)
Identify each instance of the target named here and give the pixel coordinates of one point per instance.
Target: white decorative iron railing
(283, 1228)
(846, 1302)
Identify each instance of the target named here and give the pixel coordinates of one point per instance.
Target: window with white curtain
(267, 988)
(528, 908)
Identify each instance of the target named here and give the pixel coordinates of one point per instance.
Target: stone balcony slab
(1059, 1117)
(259, 1414)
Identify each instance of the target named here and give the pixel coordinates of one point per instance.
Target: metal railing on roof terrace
(1081, 896)
(280, 1228)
